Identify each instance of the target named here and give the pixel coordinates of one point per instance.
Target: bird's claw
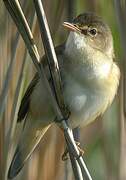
(65, 154)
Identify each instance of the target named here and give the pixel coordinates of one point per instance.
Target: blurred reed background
(104, 141)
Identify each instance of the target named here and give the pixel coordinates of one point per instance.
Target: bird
(89, 77)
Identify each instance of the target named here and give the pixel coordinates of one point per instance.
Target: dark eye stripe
(84, 31)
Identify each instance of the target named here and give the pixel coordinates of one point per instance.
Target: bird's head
(88, 30)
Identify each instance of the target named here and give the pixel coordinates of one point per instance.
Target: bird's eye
(93, 32)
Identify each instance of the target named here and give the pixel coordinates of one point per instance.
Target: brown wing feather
(26, 99)
(24, 107)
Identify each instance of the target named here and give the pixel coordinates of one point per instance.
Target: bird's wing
(24, 107)
(33, 129)
(26, 99)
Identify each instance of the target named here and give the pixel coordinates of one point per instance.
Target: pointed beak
(71, 27)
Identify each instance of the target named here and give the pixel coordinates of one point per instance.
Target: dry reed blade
(5, 88)
(120, 11)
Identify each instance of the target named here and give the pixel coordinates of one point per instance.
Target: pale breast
(87, 103)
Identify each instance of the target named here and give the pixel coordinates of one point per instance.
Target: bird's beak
(71, 27)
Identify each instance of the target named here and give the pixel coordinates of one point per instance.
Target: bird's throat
(84, 61)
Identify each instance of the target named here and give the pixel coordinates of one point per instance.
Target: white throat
(91, 61)
(75, 44)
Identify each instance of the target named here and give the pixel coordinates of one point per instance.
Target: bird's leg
(65, 154)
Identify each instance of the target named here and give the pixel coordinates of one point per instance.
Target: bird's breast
(83, 102)
(87, 101)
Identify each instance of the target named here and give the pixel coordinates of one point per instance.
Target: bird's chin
(77, 39)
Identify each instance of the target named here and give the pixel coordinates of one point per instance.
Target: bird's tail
(30, 137)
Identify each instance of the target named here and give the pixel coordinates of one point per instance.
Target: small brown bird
(90, 79)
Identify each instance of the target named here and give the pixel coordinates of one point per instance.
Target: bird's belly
(84, 104)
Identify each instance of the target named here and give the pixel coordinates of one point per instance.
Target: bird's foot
(65, 154)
